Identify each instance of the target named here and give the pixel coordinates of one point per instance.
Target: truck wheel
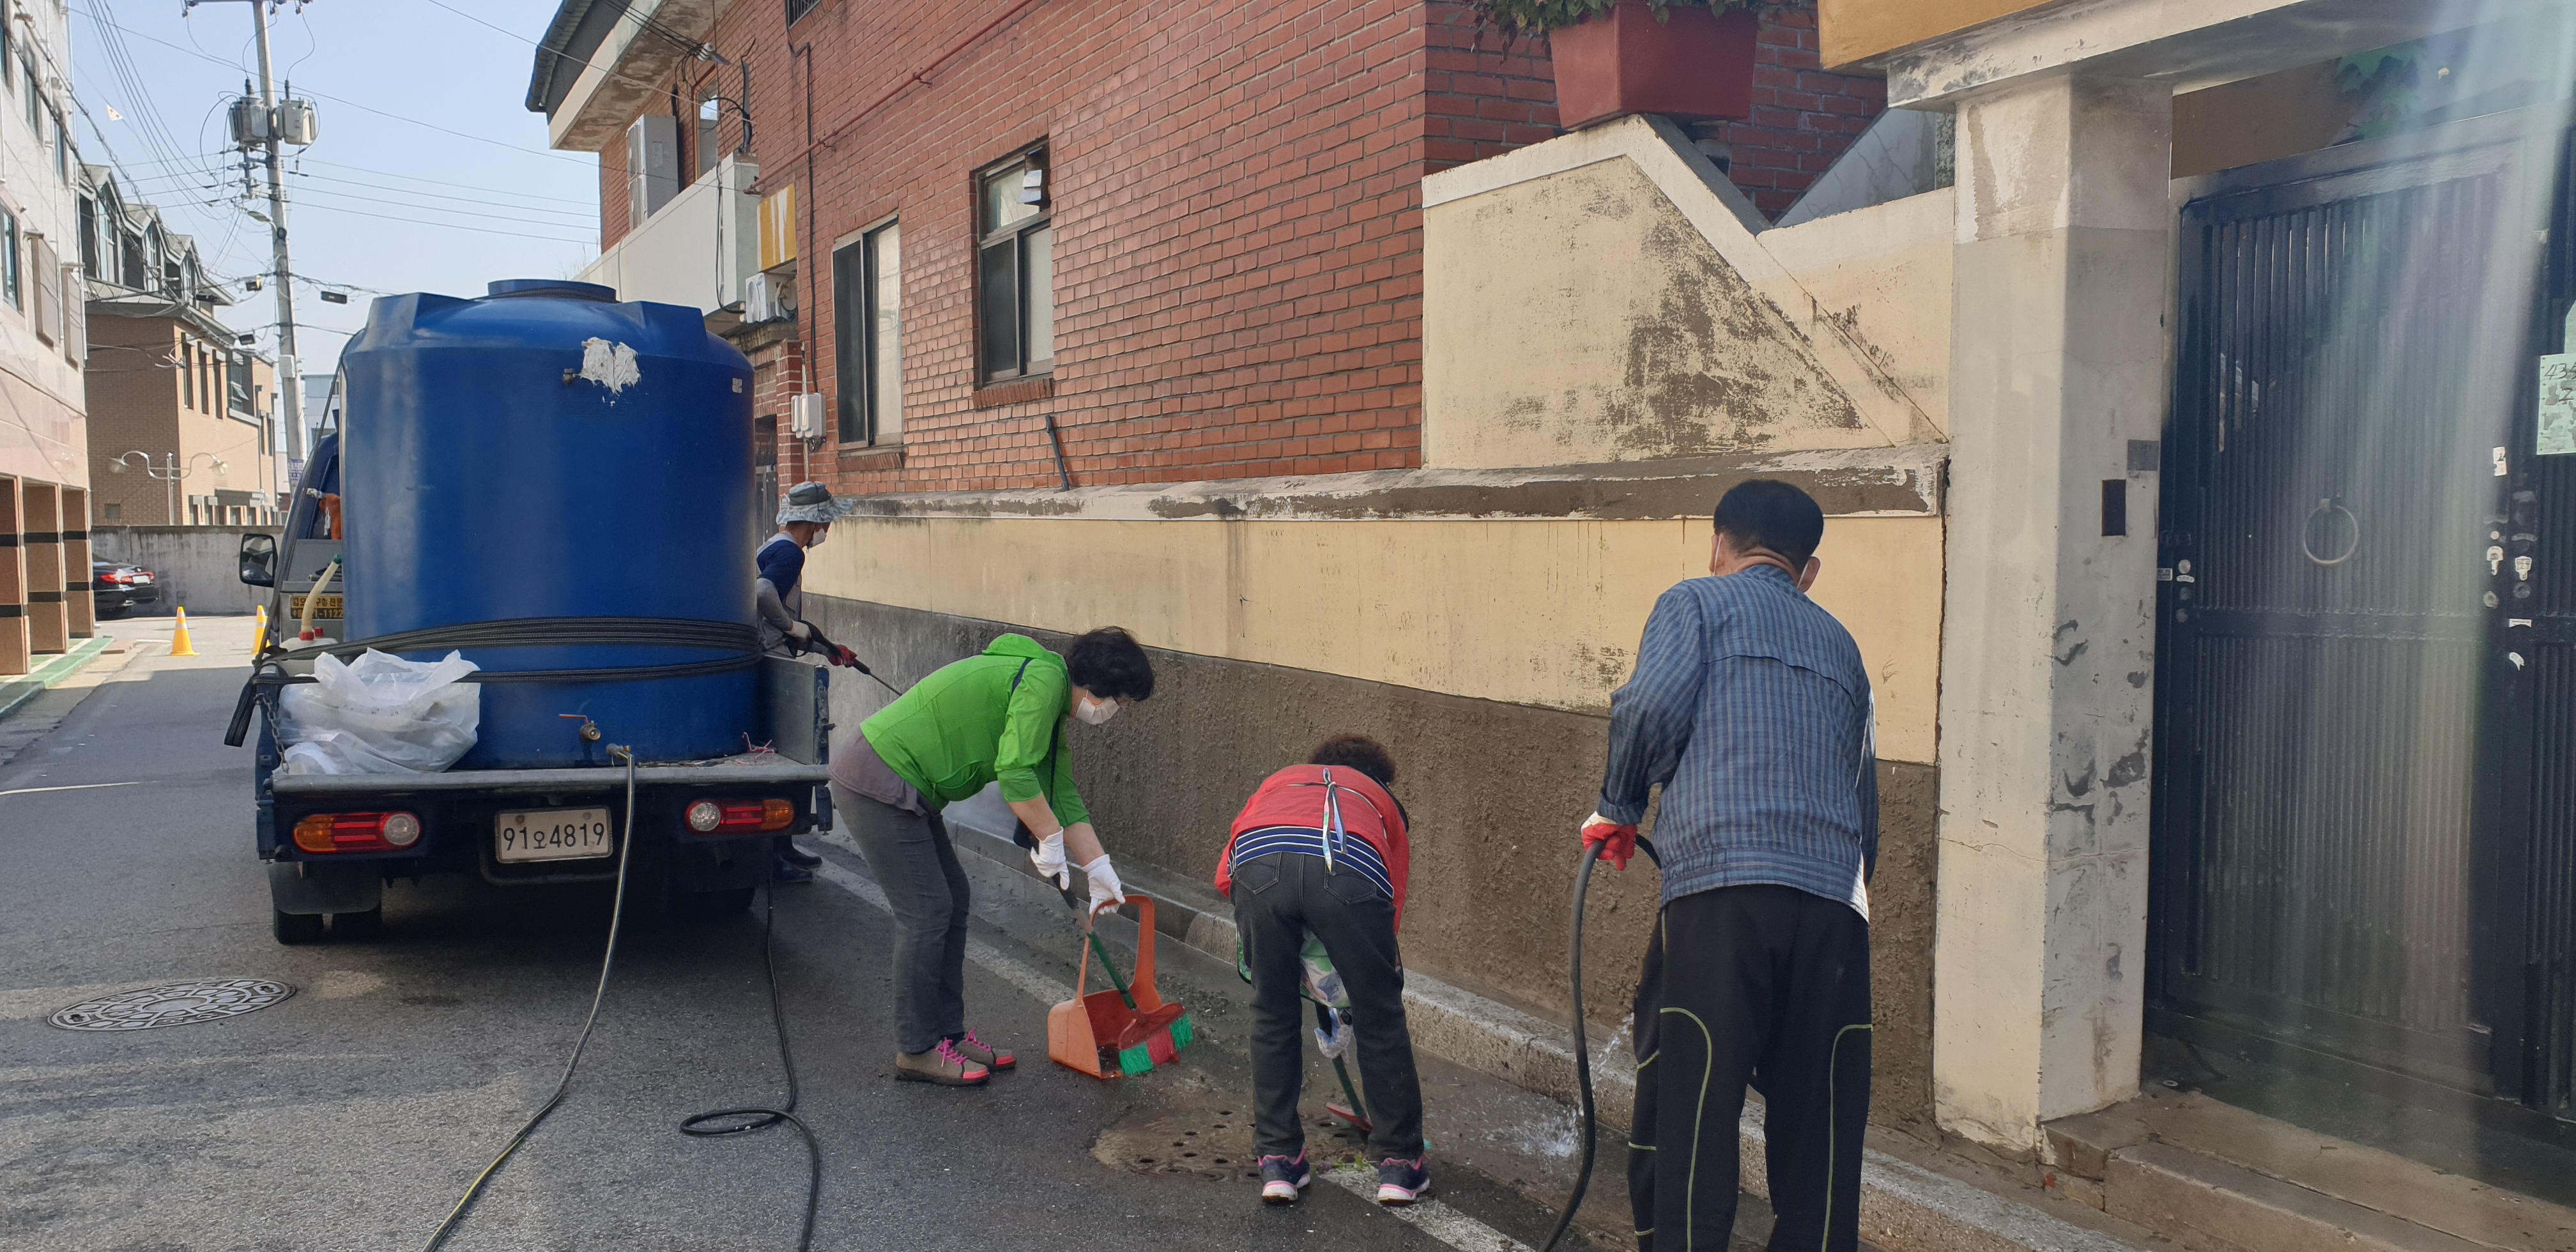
(296, 928)
(359, 927)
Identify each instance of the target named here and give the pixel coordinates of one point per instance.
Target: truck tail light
(357, 832)
(739, 817)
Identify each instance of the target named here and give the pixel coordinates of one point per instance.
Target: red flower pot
(1695, 64)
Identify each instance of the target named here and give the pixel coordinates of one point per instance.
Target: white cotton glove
(1105, 892)
(800, 632)
(1048, 856)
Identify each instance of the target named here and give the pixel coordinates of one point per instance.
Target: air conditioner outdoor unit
(760, 299)
(652, 166)
(805, 415)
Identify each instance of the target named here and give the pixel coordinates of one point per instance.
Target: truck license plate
(327, 606)
(551, 835)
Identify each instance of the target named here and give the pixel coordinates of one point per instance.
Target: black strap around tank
(740, 643)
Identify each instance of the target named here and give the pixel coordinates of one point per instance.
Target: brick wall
(133, 404)
(1236, 203)
(1803, 117)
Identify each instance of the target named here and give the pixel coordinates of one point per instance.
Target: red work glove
(843, 657)
(1618, 842)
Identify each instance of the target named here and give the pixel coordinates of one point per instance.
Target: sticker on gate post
(2556, 430)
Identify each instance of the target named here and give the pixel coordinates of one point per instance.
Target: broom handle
(1108, 966)
(1114, 979)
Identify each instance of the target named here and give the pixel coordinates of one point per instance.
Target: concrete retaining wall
(196, 564)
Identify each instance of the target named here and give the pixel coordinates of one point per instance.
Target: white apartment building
(44, 441)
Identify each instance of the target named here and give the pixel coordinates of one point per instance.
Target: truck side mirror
(259, 560)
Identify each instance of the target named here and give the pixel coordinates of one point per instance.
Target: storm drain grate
(179, 1004)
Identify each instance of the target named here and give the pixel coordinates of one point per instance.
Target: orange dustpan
(1126, 1030)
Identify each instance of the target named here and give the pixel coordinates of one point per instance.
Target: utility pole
(290, 382)
(267, 126)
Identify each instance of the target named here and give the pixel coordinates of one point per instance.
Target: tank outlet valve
(589, 729)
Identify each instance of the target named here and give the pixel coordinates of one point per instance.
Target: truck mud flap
(303, 887)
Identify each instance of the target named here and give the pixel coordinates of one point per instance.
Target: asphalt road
(352, 1114)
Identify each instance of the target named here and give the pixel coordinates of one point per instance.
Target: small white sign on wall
(2556, 429)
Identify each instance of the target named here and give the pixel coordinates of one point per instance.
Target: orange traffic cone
(179, 645)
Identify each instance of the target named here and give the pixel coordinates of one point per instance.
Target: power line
(364, 108)
(642, 21)
(495, 199)
(310, 192)
(590, 204)
(485, 230)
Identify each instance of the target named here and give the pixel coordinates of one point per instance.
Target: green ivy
(1537, 17)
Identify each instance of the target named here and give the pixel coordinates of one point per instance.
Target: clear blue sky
(421, 119)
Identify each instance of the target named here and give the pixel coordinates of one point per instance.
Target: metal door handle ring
(2328, 507)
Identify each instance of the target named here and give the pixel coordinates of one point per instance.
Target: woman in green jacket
(989, 718)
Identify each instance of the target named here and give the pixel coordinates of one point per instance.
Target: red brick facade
(1236, 206)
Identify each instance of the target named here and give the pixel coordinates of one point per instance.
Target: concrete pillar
(2064, 257)
(40, 523)
(78, 606)
(14, 658)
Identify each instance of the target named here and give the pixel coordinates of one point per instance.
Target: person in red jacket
(1320, 849)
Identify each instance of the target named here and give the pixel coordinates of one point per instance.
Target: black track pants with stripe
(1764, 985)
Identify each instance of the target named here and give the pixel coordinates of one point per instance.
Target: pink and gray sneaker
(981, 1053)
(1282, 1177)
(1400, 1181)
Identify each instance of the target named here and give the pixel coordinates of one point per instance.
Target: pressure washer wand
(839, 655)
(1582, 1046)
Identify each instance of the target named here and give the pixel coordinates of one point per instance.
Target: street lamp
(169, 472)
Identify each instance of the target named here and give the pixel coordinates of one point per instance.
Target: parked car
(115, 588)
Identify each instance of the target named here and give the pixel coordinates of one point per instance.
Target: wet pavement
(352, 1113)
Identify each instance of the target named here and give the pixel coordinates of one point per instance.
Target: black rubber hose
(1582, 1046)
(563, 1087)
(763, 1118)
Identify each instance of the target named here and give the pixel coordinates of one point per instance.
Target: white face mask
(819, 537)
(1092, 712)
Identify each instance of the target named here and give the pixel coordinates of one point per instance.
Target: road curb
(17, 689)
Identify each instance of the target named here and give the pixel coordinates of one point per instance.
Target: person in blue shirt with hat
(805, 519)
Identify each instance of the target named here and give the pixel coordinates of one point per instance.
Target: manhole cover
(179, 1004)
(1218, 1146)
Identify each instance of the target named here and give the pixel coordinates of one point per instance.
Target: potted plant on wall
(1690, 59)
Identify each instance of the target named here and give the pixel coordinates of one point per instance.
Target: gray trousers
(915, 864)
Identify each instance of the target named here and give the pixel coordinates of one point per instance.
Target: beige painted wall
(1608, 296)
(1580, 318)
(1883, 274)
(1541, 612)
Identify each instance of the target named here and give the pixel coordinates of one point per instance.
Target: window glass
(799, 8)
(1002, 205)
(885, 330)
(999, 307)
(849, 339)
(710, 112)
(35, 98)
(9, 267)
(1015, 272)
(1038, 295)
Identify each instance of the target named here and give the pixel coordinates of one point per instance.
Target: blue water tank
(548, 452)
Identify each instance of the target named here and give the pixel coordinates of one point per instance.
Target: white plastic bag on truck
(380, 714)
